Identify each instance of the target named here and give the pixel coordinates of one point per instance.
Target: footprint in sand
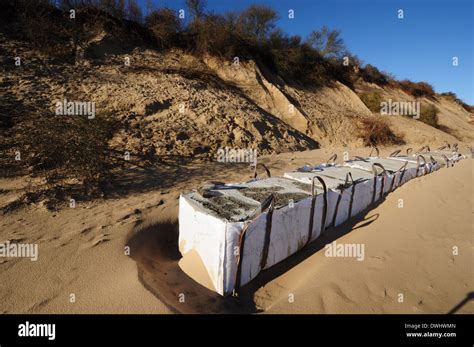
(137, 213)
(17, 240)
(86, 230)
(99, 240)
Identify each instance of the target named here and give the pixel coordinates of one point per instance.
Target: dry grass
(375, 132)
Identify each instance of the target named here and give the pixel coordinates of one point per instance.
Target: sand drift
(240, 229)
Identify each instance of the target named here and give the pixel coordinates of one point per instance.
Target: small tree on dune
(134, 13)
(258, 21)
(197, 8)
(327, 42)
(165, 25)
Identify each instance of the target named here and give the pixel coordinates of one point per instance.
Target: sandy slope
(81, 251)
(451, 116)
(407, 250)
(175, 104)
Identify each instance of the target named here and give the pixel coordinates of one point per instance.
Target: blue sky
(419, 47)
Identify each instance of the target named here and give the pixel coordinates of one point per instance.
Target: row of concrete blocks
(240, 229)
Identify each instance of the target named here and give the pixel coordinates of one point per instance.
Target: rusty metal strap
(359, 158)
(446, 145)
(332, 159)
(401, 171)
(374, 189)
(427, 148)
(418, 164)
(393, 182)
(339, 198)
(383, 185)
(313, 204)
(268, 232)
(311, 219)
(240, 258)
(433, 163)
(401, 177)
(325, 204)
(376, 174)
(376, 151)
(446, 160)
(351, 201)
(255, 174)
(394, 154)
(267, 204)
(336, 209)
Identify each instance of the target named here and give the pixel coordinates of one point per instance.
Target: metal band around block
(267, 204)
(384, 172)
(339, 198)
(313, 204)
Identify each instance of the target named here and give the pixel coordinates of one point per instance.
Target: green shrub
(429, 115)
(372, 100)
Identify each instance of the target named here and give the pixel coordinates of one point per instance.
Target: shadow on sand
(462, 303)
(154, 247)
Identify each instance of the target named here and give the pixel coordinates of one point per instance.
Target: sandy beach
(110, 110)
(121, 255)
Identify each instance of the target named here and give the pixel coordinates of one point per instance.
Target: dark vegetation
(76, 148)
(250, 34)
(374, 131)
(453, 97)
(417, 89)
(316, 60)
(371, 74)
